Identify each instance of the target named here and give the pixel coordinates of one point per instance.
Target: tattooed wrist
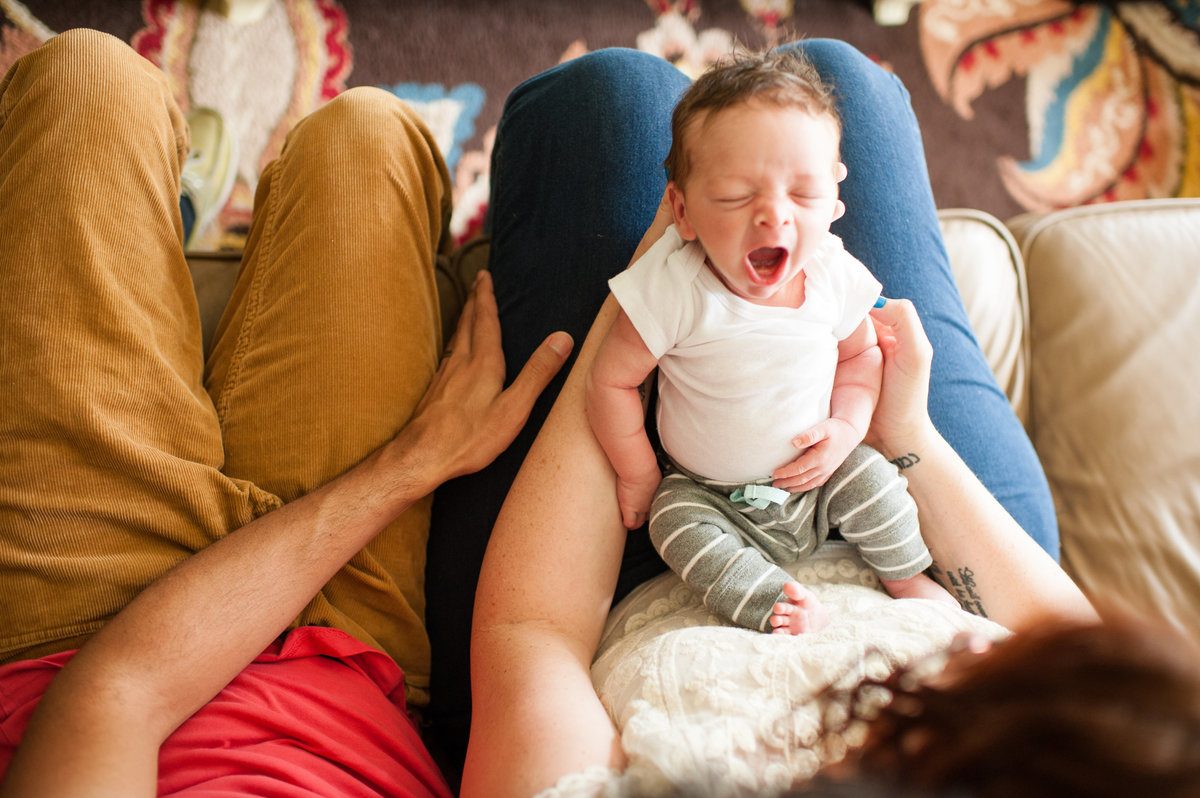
(961, 584)
(905, 461)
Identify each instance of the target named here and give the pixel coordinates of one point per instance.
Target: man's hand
(466, 419)
(826, 446)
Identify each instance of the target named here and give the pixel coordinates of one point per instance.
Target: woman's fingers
(902, 409)
(902, 327)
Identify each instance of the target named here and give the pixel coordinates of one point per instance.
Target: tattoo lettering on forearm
(961, 583)
(906, 461)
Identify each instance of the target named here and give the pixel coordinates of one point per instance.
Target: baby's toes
(783, 620)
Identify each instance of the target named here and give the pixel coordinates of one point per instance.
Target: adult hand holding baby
(902, 415)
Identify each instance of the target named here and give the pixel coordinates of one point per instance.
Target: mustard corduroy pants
(122, 449)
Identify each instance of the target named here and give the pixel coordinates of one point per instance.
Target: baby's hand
(802, 612)
(826, 445)
(634, 497)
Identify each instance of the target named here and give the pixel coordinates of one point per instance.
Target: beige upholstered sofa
(1090, 318)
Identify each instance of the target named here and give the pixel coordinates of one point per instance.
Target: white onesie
(738, 381)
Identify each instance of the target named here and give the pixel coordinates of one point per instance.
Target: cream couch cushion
(991, 279)
(1114, 294)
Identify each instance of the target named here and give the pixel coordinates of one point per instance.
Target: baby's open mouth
(765, 261)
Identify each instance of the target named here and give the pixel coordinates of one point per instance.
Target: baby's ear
(839, 174)
(679, 211)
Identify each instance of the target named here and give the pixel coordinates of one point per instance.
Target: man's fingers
(460, 341)
(541, 367)
(474, 313)
(485, 327)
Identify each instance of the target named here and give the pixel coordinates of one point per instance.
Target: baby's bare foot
(919, 586)
(802, 612)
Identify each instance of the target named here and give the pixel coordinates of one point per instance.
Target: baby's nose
(771, 212)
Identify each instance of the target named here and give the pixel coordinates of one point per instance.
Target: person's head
(1098, 710)
(754, 168)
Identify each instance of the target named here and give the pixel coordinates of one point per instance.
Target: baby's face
(761, 194)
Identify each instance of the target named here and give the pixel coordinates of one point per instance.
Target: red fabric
(317, 713)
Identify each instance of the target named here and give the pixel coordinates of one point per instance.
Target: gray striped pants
(727, 552)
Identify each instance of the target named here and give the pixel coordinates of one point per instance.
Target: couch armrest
(1114, 294)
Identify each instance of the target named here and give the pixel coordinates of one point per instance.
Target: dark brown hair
(1107, 709)
(785, 77)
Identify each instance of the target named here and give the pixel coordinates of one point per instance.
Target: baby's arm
(617, 416)
(852, 402)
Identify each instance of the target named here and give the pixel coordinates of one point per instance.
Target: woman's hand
(902, 415)
(467, 418)
(981, 556)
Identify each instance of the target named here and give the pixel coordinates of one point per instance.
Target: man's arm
(99, 726)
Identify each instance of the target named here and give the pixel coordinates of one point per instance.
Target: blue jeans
(576, 177)
(188, 212)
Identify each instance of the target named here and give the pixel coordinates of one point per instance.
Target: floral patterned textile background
(1025, 104)
(1112, 92)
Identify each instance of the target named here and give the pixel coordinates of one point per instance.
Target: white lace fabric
(730, 711)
